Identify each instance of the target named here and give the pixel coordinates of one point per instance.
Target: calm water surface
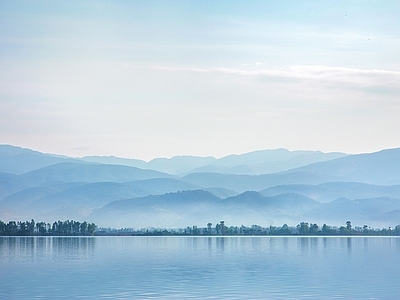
(199, 267)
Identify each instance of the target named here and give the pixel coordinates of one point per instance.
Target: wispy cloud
(299, 71)
(326, 75)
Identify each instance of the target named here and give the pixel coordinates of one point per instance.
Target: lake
(199, 267)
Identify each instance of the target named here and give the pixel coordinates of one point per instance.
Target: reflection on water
(58, 248)
(199, 267)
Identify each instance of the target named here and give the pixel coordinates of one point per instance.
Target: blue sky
(146, 79)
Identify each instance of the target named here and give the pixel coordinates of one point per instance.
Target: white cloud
(317, 76)
(297, 71)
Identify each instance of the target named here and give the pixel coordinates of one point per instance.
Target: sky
(146, 79)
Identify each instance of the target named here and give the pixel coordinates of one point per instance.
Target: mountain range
(265, 187)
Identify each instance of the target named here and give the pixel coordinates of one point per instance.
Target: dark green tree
(209, 227)
(195, 230)
(396, 230)
(91, 228)
(223, 228)
(326, 229)
(313, 229)
(348, 226)
(11, 228)
(284, 230)
(31, 227)
(84, 227)
(303, 228)
(218, 228)
(2, 228)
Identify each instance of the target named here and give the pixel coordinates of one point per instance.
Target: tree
(83, 227)
(91, 228)
(195, 230)
(348, 226)
(326, 229)
(11, 228)
(54, 229)
(22, 228)
(75, 227)
(31, 227)
(2, 228)
(188, 230)
(256, 229)
(284, 230)
(218, 228)
(313, 229)
(396, 230)
(209, 227)
(223, 228)
(303, 228)
(41, 228)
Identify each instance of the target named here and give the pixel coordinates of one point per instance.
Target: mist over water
(199, 267)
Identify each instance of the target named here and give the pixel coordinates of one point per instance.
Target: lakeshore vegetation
(75, 228)
(58, 228)
(303, 228)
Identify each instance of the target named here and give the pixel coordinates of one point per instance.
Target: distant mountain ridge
(382, 167)
(266, 161)
(17, 160)
(242, 183)
(252, 163)
(70, 172)
(329, 191)
(305, 186)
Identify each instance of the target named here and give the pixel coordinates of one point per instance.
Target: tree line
(75, 228)
(303, 228)
(57, 228)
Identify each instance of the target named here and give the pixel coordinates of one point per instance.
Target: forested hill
(264, 187)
